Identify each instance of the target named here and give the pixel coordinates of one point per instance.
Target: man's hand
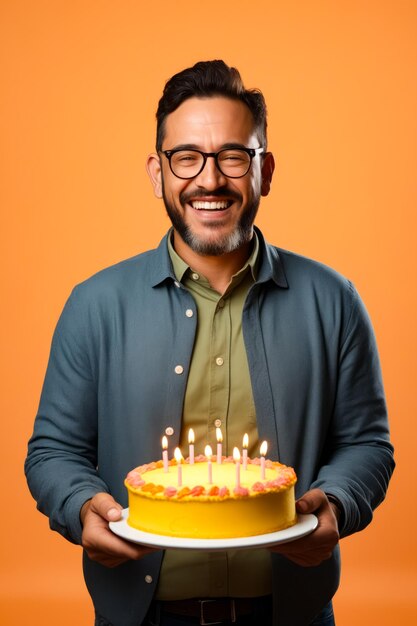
(99, 542)
(317, 547)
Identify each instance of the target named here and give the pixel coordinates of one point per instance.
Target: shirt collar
(271, 266)
(180, 267)
(268, 264)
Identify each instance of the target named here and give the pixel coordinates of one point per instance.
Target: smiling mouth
(201, 205)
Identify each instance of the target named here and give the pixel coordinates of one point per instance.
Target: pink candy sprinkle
(169, 492)
(241, 491)
(274, 484)
(132, 475)
(134, 479)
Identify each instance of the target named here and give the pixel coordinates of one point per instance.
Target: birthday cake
(209, 500)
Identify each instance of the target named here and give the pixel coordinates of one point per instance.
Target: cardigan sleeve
(61, 463)
(359, 461)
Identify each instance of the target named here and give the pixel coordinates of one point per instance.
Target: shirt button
(189, 312)
(219, 360)
(217, 423)
(169, 431)
(195, 276)
(220, 304)
(148, 578)
(179, 369)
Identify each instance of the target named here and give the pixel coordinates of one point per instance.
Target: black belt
(213, 610)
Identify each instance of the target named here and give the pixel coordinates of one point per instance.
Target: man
(214, 327)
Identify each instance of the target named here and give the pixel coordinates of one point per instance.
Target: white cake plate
(304, 526)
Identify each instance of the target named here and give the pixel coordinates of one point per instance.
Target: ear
(153, 167)
(268, 167)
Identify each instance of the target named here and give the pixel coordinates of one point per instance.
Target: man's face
(211, 213)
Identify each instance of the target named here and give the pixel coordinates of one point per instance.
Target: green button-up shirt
(218, 392)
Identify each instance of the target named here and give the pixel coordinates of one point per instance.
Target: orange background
(80, 83)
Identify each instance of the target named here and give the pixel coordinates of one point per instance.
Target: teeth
(210, 206)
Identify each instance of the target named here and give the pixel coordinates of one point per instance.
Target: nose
(210, 177)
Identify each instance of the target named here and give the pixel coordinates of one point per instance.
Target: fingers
(98, 541)
(103, 546)
(318, 546)
(106, 506)
(311, 501)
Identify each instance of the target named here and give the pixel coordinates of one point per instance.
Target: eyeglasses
(231, 162)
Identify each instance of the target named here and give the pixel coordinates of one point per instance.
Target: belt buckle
(232, 612)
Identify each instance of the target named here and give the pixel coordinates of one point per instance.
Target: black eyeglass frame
(252, 152)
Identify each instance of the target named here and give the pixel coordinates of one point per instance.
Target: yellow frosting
(199, 509)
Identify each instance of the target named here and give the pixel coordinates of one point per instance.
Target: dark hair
(204, 80)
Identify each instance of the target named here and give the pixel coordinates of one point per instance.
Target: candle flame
(164, 443)
(245, 440)
(264, 448)
(236, 455)
(191, 436)
(178, 455)
(219, 435)
(208, 452)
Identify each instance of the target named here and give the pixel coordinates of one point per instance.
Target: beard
(219, 243)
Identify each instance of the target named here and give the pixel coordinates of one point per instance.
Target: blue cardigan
(111, 390)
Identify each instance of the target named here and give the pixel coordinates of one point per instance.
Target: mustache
(221, 192)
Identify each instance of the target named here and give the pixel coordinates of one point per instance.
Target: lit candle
(208, 452)
(236, 458)
(263, 451)
(165, 453)
(219, 437)
(178, 458)
(191, 445)
(245, 450)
